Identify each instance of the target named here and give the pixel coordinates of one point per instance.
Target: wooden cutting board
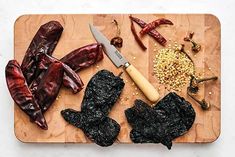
(76, 34)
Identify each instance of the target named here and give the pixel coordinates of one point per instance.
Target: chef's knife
(119, 61)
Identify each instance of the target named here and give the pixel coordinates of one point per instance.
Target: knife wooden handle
(144, 85)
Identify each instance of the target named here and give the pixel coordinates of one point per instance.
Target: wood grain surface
(76, 34)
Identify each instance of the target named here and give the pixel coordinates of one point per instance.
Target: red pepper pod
(49, 86)
(155, 34)
(44, 41)
(70, 78)
(133, 30)
(22, 95)
(152, 25)
(83, 57)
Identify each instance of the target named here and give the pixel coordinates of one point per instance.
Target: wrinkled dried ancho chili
(172, 117)
(101, 94)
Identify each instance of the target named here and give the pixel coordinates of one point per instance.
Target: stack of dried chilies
(35, 84)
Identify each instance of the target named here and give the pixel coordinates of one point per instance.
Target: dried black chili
(21, 94)
(117, 40)
(49, 85)
(155, 34)
(152, 25)
(83, 57)
(170, 118)
(102, 92)
(195, 47)
(138, 40)
(44, 41)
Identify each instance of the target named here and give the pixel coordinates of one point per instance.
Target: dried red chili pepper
(70, 78)
(49, 86)
(152, 25)
(22, 95)
(78, 59)
(44, 41)
(83, 57)
(137, 37)
(117, 41)
(155, 34)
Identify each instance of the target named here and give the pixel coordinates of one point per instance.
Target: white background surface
(223, 9)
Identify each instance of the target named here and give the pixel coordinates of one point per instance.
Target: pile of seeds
(173, 68)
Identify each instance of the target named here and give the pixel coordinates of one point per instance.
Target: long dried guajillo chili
(49, 85)
(138, 40)
(152, 25)
(44, 41)
(83, 57)
(155, 34)
(22, 95)
(70, 78)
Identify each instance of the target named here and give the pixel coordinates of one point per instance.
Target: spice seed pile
(173, 68)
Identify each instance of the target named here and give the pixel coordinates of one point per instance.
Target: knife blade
(120, 61)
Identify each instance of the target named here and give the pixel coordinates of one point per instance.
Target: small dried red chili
(44, 41)
(83, 57)
(138, 40)
(22, 95)
(155, 34)
(117, 41)
(152, 25)
(49, 86)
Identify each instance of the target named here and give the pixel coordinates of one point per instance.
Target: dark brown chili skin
(138, 40)
(152, 25)
(155, 34)
(49, 86)
(22, 95)
(70, 78)
(83, 57)
(44, 41)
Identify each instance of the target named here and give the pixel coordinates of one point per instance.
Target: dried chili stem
(195, 47)
(120, 74)
(118, 27)
(204, 105)
(207, 79)
(183, 50)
